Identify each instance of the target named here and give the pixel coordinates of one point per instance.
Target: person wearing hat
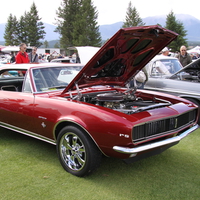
(165, 51)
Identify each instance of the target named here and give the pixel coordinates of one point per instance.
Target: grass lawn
(31, 170)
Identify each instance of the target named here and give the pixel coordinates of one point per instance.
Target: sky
(109, 11)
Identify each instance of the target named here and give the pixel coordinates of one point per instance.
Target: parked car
(62, 60)
(166, 74)
(89, 112)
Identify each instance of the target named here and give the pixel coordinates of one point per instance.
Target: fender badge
(43, 125)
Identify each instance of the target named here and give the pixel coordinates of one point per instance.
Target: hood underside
(128, 51)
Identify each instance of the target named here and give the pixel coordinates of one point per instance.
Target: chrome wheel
(77, 152)
(72, 151)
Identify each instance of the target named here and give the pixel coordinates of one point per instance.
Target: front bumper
(174, 140)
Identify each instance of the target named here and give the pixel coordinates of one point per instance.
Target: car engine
(126, 102)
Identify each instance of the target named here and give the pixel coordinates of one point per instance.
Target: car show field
(90, 112)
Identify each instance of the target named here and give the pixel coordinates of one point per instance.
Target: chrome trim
(139, 149)
(28, 133)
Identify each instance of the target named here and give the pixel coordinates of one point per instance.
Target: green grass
(29, 169)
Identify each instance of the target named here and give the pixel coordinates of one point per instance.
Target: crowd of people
(141, 78)
(23, 57)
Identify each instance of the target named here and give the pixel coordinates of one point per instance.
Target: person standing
(184, 57)
(74, 57)
(140, 79)
(33, 56)
(12, 60)
(165, 51)
(22, 56)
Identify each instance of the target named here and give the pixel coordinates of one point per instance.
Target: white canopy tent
(9, 49)
(194, 50)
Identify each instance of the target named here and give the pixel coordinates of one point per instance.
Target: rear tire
(77, 153)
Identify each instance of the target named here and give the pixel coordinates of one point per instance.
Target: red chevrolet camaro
(89, 111)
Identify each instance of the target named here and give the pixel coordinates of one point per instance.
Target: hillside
(191, 24)
(49, 29)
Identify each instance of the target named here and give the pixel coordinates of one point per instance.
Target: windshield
(54, 78)
(164, 67)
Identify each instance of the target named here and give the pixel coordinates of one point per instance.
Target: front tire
(77, 153)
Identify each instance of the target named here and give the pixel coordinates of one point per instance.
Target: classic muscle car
(90, 111)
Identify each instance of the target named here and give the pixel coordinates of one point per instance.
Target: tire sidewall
(89, 150)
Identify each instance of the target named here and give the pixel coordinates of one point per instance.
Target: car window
(9, 74)
(165, 67)
(54, 78)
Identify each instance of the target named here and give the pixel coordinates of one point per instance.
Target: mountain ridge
(191, 25)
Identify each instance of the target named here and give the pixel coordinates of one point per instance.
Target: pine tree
(46, 44)
(77, 24)
(10, 34)
(22, 31)
(29, 29)
(34, 27)
(65, 17)
(56, 45)
(132, 17)
(86, 31)
(178, 27)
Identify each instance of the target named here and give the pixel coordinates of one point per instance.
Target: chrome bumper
(139, 149)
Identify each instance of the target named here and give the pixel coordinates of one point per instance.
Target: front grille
(163, 126)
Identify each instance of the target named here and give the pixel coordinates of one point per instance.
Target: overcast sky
(110, 11)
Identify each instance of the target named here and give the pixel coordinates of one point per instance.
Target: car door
(16, 110)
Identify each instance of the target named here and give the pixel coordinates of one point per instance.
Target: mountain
(191, 24)
(107, 31)
(50, 34)
(2, 29)
(49, 29)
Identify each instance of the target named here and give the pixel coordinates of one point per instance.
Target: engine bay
(126, 102)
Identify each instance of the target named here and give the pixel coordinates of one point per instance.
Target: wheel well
(192, 99)
(195, 101)
(61, 125)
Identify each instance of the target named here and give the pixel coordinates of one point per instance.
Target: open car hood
(128, 51)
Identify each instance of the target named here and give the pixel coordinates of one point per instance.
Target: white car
(162, 66)
(62, 60)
